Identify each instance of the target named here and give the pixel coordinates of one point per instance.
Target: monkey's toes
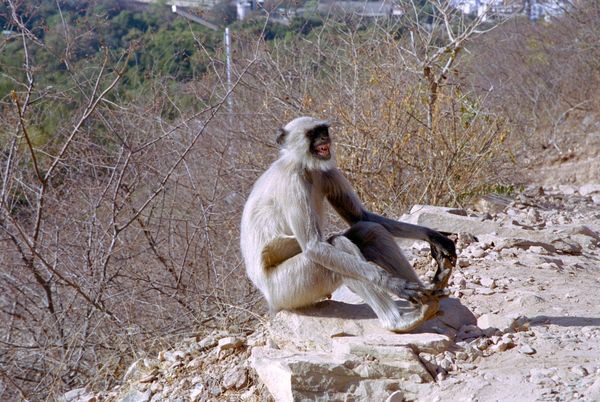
(413, 318)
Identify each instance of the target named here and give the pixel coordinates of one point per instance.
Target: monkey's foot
(413, 318)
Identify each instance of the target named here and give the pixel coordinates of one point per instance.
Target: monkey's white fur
(285, 254)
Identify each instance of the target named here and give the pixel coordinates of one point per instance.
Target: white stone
(396, 396)
(485, 291)
(437, 209)
(151, 363)
(527, 350)
(523, 244)
(446, 364)
(567, 245)
(134, 371)
(137, 396)
(580, 371)
(589, 188)
(538, 250)
(207, 343)
(248, 394)
(196, 393)
(235, 378)
(477, 252)
(78, 395)
(230, 342)
(196, 363)
(542, 376)
(333, 325)
(566, 189)
(492, 203)
(504, 323)
(448, 222)
(488, 283)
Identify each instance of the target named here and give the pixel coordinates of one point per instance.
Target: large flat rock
(433, 218)
(334, 325)
(364, 376)
(337, 350)
(447, 222)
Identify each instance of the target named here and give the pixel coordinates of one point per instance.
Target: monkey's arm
(343, 198)
(303, 223)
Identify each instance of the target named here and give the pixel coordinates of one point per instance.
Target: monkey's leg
(387, 310)
(383, 305)
(380, 247)
(377, 245)
(298, 282)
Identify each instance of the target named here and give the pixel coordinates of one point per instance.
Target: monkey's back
(263, 218)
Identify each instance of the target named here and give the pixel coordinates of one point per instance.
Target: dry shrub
(538, 75)
(402, 161)
(379, 110)
(130, 241)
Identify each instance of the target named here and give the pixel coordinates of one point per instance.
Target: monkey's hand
(411, 291)
(443, 251)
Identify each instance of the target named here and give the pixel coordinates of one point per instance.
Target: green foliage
(74, 39)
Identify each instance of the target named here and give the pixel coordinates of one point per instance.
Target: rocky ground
(548, 294)
(522, 322)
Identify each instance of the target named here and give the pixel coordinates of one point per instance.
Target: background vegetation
(124, 170)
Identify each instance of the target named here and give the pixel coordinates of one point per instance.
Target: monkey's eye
(321, 132)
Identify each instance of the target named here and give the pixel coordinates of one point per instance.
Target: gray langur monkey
(293, 265)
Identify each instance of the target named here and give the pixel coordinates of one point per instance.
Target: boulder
(523, 244)
(337, 350)
(514, 236)
(417, 208)
(231, 342)
(330, 324)
(368, 376)
(503, 322)
(436, 219)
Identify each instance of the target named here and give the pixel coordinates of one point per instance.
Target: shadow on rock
(564, 321)
(452, 314)
(317, 326)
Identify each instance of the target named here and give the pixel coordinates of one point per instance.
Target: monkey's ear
(281, 136)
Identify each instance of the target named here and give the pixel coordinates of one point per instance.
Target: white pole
(228, 68)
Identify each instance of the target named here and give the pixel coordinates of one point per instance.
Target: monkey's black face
(320, 142)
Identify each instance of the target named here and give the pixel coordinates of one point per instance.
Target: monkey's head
(306, 140)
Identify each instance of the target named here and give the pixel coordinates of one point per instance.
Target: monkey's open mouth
(323, 150)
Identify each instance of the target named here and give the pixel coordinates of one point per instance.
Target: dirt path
(556, 353)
